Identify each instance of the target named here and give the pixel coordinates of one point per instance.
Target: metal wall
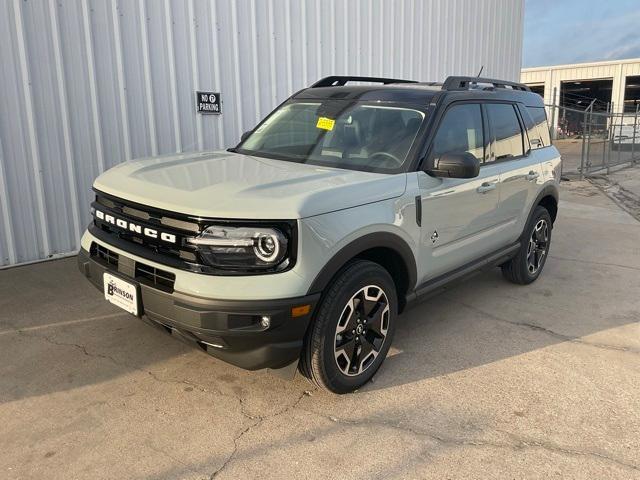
(87, 84)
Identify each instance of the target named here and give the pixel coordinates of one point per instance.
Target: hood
(231, 185)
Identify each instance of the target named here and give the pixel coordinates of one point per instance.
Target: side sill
(438, 284)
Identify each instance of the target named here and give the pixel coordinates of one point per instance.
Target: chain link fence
(594, 139)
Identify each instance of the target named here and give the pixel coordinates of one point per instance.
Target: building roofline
(578, 65)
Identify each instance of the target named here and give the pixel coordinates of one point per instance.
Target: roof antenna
(481, 68)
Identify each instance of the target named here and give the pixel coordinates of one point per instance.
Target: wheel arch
(551, 204)
(384, 248)
(547, 198)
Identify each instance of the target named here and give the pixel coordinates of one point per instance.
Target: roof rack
(340, 80)
(464, 83)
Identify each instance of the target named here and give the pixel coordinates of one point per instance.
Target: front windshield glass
(338, 134)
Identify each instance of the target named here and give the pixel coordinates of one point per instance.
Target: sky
(572, 31)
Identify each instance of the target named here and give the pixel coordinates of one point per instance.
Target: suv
(357, 196)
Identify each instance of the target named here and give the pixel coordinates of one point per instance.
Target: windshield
(338, 134)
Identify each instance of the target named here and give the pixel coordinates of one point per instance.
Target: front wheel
(353, 329)
(527, 265)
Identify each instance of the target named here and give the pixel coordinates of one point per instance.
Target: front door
(459, 216)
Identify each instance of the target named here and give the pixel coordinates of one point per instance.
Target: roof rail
(341, 80)
(463, 83)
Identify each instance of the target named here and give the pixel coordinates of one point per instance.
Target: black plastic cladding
(151, 252)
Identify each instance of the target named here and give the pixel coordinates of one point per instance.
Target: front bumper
(227, 329)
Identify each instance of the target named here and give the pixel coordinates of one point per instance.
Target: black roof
(420, 93)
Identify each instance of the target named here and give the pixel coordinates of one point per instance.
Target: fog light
(265, 321)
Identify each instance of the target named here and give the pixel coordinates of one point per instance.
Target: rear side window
(539, 116)
(532, 129)
(460, 131)
(506, 132)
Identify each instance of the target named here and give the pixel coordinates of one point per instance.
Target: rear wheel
(353, 328)
(528, 263)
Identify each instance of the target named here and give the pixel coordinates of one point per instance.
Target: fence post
(613, 138)
(586, 138)
(552, 133)
(605, 139)
(620, 139)
(610, 133)
(635, 126)
(584, 142)
(589, 138)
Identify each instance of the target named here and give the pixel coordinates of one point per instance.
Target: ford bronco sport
(300, 247)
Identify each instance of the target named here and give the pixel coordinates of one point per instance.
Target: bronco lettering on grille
(134, 227)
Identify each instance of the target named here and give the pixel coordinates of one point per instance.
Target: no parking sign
(208, 102)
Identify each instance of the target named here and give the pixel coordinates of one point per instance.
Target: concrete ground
(623, 186)
(490, 380)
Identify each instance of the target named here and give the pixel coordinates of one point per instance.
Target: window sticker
(325, 123)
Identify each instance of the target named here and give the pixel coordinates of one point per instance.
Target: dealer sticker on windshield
(325, 123)
(121, 293)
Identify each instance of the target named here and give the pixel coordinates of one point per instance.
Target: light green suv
(300, 247)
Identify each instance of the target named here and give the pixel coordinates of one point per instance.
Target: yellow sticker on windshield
(325, 123)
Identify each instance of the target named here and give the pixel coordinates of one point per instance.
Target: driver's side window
(460, 131)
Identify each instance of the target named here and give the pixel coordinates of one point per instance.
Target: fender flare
(548, 190)
(359, 245)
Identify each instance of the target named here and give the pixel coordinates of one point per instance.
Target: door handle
(486, 187)
(532, 175)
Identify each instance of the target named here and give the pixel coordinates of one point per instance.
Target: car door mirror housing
(455, 165)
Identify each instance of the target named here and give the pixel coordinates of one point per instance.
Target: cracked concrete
(489, 380)
(623, 187)
(563, 337)
(516, 443)
(256, 424)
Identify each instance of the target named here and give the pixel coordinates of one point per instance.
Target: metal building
(594, 111)
(87, 84)
(614, 85)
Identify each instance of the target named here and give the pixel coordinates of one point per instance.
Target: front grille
(104, 256)
(126, 226)
(155, 277)
(177, 254)
(143, 273)
(140, 214)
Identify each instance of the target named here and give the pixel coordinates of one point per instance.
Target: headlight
(242, 248)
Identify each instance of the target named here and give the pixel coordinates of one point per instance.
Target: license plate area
(122, 293)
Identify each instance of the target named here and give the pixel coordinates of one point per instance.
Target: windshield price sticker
(325, 123)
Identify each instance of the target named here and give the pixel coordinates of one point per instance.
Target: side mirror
(244, 136)
(456, 165)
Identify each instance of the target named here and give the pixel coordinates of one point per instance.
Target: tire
(528, 263)
(353, 328)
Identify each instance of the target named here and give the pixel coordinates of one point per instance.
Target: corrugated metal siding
(87, 84)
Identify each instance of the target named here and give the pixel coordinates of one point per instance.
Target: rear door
(518, 166)
(458, 215)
